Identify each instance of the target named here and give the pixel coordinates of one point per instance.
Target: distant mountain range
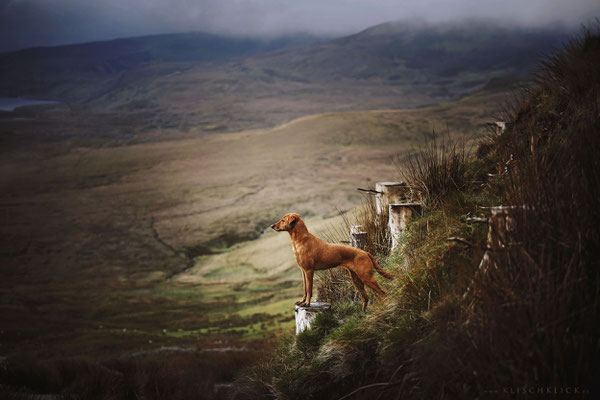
(209, 82)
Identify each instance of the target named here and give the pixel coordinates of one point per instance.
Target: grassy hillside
(521, 321)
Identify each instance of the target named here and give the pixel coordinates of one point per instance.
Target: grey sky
(25, 23)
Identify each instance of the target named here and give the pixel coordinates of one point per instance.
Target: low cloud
(45, 22)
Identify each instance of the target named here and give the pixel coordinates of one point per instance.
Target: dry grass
(527, 320)
(552, 305)
(436, 171)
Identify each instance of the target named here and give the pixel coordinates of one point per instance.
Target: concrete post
(389, 193)
(358, 237)
(306, 315)
(502, 227)
(500, 126)
(399, 215)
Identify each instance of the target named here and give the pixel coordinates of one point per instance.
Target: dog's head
(286, 223)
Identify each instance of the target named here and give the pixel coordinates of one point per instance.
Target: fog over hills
(215, 83)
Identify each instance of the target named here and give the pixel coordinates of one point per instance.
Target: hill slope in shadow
(202, 82)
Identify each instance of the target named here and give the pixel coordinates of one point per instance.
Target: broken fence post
(389, 193)
(399, 216)
(501, 232)
(500, 126)
(358, 237)
(305, 315)
(497, 126)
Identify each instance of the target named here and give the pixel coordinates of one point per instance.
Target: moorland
(135, 211)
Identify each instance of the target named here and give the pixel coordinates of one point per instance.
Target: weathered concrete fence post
(358, 237)
(497, 126)
(502, 227)
(306, 315)
(388, 193)
(399, 215)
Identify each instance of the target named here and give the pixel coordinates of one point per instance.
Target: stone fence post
(501, 232)
(306, 315)
(399, 215)
(388, 193)
(358, 237)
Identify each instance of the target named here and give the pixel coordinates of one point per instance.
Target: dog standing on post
(313, 254)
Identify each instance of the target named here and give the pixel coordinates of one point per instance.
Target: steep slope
(505, 309)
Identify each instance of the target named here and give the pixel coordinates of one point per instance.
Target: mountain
(48, 71)
(209, 83)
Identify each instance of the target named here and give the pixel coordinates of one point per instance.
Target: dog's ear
(293, 220)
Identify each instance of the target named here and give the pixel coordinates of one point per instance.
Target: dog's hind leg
(372, 283)
(360, 286)
(366, 274)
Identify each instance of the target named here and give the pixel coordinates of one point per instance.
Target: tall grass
(540, 306)
(530, 318)
(435, 171)
(526, 320)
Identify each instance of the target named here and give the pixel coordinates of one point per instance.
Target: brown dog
(313, 254)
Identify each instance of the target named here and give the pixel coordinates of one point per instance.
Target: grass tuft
(435, 171)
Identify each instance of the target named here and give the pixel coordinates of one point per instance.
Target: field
(113, 250)
(153, 251)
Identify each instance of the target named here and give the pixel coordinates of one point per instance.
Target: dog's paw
(300, 303)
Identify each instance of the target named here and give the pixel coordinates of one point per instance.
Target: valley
(134, 213)
(173, 234)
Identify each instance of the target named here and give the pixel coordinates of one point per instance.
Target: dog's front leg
(304, 284)
(309, 283)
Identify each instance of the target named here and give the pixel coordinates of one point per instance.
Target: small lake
(10, 103)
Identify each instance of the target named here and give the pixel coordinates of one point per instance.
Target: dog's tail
(379, 269)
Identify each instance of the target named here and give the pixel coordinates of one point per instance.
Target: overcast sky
(25, 23)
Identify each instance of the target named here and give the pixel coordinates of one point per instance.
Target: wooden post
(389, 193)
(358, 237)
(399, 216)
(305, 315)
